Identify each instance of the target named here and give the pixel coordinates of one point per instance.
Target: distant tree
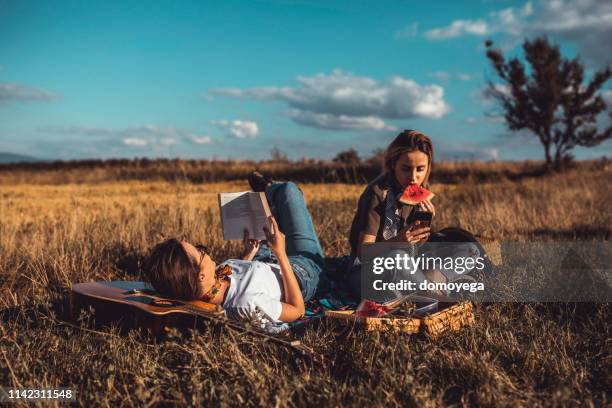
(278, 155)
(550, 98)
(377, 157)
(348, 157)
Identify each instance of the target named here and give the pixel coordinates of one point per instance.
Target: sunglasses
(203, 250)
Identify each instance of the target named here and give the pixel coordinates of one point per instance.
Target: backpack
(456, 234)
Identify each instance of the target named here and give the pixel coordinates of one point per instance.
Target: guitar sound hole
(166, 303)
(163, 302)
(153, 301)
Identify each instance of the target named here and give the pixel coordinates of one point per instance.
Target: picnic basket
(450, 317)
(348, 317)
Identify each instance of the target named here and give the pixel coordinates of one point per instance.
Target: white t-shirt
(255, 291)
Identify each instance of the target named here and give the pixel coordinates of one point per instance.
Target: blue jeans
(303, 248)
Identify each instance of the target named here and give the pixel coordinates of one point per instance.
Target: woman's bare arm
(293, 305)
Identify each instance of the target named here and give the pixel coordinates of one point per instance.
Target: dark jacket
(370, 215)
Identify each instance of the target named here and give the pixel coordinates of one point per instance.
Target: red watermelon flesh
(413, 194)
(369, 308)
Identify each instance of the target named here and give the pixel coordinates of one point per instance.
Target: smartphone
(424, 218)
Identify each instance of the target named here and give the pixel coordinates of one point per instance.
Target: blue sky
(235, 78)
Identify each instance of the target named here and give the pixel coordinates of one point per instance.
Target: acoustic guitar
(135, 304)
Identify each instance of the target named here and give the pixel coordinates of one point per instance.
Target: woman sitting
(381, 217)
(271, 281)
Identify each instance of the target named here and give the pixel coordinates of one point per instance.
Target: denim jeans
(302, 245)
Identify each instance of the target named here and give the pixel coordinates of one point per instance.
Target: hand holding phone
(414, 233)
(423, 218)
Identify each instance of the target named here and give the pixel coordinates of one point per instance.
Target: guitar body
(134, 304)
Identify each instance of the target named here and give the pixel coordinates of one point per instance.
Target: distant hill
(16, 158)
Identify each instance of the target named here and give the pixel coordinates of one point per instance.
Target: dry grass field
(55, 234)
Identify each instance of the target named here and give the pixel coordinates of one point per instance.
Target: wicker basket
(348, 317)
(452, 317)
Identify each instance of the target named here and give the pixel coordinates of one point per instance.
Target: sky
(235, 79)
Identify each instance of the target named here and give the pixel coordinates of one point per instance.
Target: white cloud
(445, 76)
(167, 141)
(80, 130)
(200, 139)
(468, 151)
(569, 16)
(607, 97)
(12, 91)
(133, 141)
(495, 118)
(586, 23)
(145, 135)
(240, 129)
(492, 118)
(457, 28)
(486, 94)
(135, 131)
(343, 95)
(489, 118)
(410, 31)
(507, 20)
(488, 153)
(440, 75)
(339, 122)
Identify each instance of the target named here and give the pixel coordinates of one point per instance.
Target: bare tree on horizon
(550, 99)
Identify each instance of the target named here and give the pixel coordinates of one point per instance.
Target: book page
(240, 211)
(260, 212)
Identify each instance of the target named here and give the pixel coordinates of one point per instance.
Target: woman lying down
(272, 280)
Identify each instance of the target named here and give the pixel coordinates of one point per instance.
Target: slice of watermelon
(369, 308)
(413, 194)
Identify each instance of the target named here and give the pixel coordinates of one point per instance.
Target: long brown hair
(172, 272)
(407, 141)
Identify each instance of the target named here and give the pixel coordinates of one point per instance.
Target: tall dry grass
(305, 170)
(52, 235)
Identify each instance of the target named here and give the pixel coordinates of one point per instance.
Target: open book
(244, 210)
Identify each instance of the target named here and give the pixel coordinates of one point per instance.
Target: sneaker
(258, 181)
